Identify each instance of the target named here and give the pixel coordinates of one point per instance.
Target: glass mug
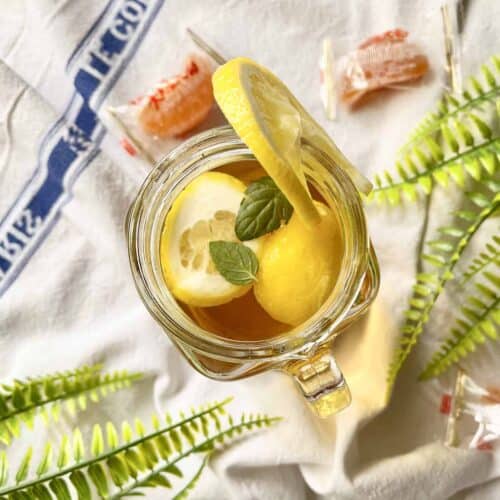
(305, 351)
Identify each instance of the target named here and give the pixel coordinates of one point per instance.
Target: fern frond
(23, 400)
(443, 256)
(478, 94)
(208, 445)
(8, 388)
(417, 170)
(143, 460)
(489, 256)
(479, 321)
(184, 493)
(458, 141)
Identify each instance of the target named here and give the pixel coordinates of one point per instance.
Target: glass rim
(173, 171)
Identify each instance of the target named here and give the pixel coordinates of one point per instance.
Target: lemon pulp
(205, 211)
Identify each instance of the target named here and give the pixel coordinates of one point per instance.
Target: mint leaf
(263, 209)
(236, 262)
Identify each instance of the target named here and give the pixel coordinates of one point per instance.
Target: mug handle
(321, 383)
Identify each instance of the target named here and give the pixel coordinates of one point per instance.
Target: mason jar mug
(305, 352)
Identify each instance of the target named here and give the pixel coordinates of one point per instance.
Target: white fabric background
(75, 303)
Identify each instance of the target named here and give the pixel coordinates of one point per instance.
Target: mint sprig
(263, 209)
(236, 262)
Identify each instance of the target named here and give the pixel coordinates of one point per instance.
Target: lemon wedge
(273, 124)
(298, 267)
(205, 211)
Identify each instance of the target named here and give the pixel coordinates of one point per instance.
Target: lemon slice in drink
(205, 211)
(298, 267)
(273, 124)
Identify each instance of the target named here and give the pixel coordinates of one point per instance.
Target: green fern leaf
(155, 422)
(4, 468)
(163, 446)
(41, 492)
(148, 453)
(184, 493)
(23, 470)
(97, 443)
(139, 427)
(174, 470)
(98, 477)
(477, 324)
(207, 445)
(469, 162)
(126, 432)
(23, 400)
(18, 398)
(136, 463)
(490, 256)
(429, 286)
(3, 405)
(82, 401)
(70, 407)
(111, 435)
(458, 141)
(46, 461)
(158, 480)
(187, 433)
(176, 441)
(64, 453)
(60, 489)
(55, 412)
(204, 425)
(78, 446)
(458, 105)
(81, 485)
(51, 388)
(118, 470)
(215, 419)
(5, 435)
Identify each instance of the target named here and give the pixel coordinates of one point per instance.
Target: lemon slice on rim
(272, 123)
(205, 211)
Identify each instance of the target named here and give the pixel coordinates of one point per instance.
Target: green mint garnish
(236, 262)
(263, 209)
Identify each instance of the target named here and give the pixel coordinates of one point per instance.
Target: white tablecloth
(67, 297)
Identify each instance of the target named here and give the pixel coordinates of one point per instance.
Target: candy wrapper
(151, 124)
(328, 91)
(382, 61)
(473, 414)
(452, 13)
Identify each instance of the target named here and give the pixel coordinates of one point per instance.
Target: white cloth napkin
(66, 294)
